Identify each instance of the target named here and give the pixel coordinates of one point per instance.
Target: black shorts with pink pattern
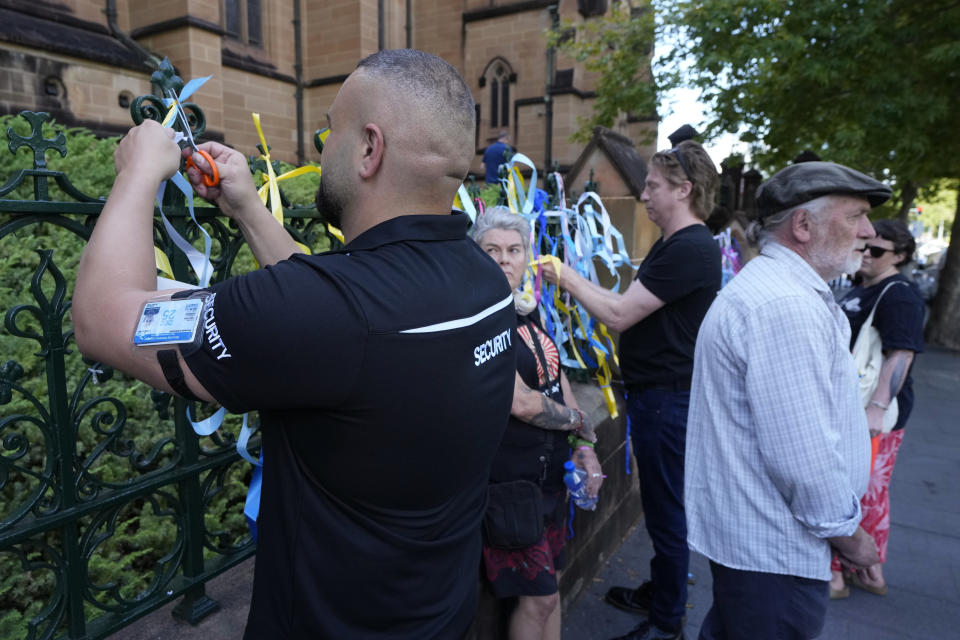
(531, 571)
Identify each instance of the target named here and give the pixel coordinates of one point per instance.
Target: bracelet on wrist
(576, 441)
(874, 403)
(576, 420)
(582, 429)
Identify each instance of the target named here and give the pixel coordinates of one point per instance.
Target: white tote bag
(868, 354)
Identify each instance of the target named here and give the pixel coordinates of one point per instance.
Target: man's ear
(801, 225)
(372, 151)
(685, 189)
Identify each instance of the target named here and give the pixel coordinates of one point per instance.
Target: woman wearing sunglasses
(899, 321)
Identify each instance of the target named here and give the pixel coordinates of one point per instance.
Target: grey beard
(822, 262)
(854, 262)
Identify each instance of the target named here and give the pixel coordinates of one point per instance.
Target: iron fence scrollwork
(110, 505)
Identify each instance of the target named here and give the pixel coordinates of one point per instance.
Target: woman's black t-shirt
(898, 320)
(528, 452)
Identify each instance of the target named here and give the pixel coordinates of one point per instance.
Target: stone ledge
(76, 39)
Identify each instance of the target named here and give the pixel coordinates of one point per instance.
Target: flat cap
(806, 181)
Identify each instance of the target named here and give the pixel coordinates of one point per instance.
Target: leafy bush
(123, 431)
(88, 163)
(297, 192)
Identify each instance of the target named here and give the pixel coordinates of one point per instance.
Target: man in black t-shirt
(658, 317)
(383, 372)
(898, 320)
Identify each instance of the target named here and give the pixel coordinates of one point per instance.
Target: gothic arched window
(498, 76)
(242, 19)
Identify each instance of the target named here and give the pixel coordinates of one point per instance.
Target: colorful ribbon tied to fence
(568, 237)
(270, 188)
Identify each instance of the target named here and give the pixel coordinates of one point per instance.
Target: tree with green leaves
(868, 83)
(617, 46)
(873, 84)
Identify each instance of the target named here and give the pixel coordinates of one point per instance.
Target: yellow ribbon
(271, 187)
(527, 295)
(171, 113)
(512, 201)
(161, 259)
(613, 352)
(604, 374)
(548, 259)
(573, 345)
(271, 184)
(163, 263)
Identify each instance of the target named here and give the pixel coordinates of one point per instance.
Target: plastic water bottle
(576, 480)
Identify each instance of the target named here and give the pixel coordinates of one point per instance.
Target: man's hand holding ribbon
(237, 198)
(149, 152)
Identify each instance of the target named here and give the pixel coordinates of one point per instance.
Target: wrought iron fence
(110, 505)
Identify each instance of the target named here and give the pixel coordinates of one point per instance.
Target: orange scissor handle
(209, 180)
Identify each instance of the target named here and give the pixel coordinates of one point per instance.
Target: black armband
(170, 365)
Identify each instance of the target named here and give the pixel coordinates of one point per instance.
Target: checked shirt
(777, 452)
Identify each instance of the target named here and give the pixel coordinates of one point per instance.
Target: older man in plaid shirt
(777, 447)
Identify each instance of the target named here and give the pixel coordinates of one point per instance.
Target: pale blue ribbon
(203, 268)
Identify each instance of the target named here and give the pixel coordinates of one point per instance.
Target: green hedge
(117, 443)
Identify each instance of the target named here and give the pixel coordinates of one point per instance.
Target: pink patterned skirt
(875, 504)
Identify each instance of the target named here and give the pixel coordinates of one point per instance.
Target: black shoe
(637, 600)
(647, 631)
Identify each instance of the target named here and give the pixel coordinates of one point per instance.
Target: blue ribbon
(202, 267)
(251, 508)
(246, 431)
(209, 425)
(626, 449)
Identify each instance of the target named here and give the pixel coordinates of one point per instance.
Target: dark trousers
(751, 604)
(658, 427)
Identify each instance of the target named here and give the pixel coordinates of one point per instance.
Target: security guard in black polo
(383, 372)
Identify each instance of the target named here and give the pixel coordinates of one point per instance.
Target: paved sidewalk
(923, 566)
(923, 569)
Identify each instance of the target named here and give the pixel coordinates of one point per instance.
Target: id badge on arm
(166, 321)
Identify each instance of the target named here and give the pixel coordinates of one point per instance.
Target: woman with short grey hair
(501, 218)
(544, 423)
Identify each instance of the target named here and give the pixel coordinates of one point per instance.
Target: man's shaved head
(425, 75)
(401, 140)
(441, 116)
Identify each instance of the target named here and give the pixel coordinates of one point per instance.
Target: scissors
(209, 180)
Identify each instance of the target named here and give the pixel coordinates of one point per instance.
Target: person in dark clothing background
(898, 319)
(495, 155)
(658, 317)
(543, 421)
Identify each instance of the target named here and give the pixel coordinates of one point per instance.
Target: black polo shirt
(684, 272)
(384, 376)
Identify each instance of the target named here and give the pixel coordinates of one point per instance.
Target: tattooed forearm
(533, 407)
(553, 415)
(901, 362)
